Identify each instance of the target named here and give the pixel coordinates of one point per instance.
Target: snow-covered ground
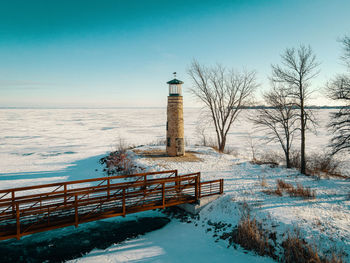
(42, 146)
(324, 220)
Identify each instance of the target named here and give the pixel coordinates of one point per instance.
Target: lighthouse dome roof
(175, 81)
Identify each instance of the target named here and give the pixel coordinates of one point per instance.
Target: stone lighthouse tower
(175, 119)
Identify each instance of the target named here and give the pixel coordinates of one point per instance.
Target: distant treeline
(306, 107)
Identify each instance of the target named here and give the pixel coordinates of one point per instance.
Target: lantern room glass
(175, 90)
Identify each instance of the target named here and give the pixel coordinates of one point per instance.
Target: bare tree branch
(278, 119)
(224, 92)
(297, 69)
(338, 89)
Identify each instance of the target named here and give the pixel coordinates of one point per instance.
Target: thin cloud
(22, 84)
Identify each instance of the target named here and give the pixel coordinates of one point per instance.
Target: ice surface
(33, 140)
(42, 146)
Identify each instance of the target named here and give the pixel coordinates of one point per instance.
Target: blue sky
(121, 53)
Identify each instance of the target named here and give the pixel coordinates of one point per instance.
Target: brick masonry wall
(175, 126)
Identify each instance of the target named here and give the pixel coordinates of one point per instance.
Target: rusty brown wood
(18, 224)
(88, 190)
(124, 207)
(65, 193)
(199, 185)
(13, 201)
(108, 187)
(163, 195)
(55, 209)
(83, 181)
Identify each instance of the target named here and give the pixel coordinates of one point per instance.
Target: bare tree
(339, 90)
(278, 119)
(224, 92)
(296, 71)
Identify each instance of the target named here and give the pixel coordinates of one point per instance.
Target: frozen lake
(50, 145)
(38, 140)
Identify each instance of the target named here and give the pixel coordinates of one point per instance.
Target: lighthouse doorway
(179, 146)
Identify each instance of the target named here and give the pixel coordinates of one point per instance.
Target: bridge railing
(109, 197)
(156, 193)
(39, 192)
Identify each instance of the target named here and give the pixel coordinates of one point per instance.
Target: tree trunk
(287, 159)
(302, 146)
(222, 144)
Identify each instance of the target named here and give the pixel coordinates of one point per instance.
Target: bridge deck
(32, 209)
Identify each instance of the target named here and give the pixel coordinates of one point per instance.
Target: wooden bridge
(32, 209)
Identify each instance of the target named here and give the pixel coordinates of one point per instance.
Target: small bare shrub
(121, 146)
(297, 250)
(252, 147)
(118, 162)
(323, 164)
(295, 159)
(272, 158)
(201, 132)
(318, 164)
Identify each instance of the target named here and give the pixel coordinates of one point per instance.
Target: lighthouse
(175, 119)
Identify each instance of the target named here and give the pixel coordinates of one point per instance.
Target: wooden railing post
(196, 196)
(108, 188)
(76, 210)
(18, 224)
(221, 186)
(177, 183)
(13, 202)
(124, 209)
(65, 194)
(163, 195)
(199, 185)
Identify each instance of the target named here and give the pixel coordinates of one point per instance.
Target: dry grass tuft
(299, 191)
(283, 185)
(263, 182)
(297, 250)
(276, 191)
(251, 236)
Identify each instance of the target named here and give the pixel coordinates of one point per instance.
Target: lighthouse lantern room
(175, 122)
